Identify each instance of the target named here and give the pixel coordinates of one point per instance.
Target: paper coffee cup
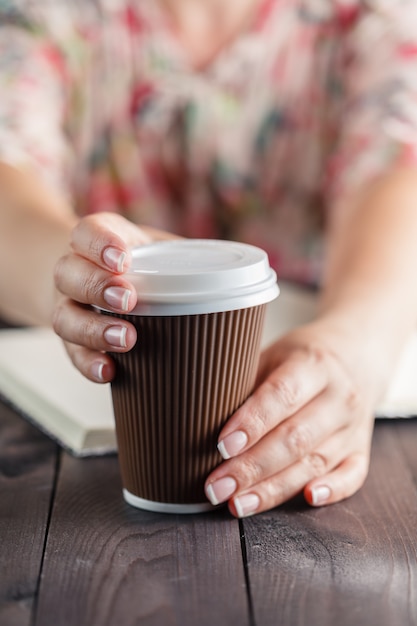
(199, 321)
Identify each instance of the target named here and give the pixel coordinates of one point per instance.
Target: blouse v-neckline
(160, 23)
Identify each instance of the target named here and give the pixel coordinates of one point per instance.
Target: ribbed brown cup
(173, 393)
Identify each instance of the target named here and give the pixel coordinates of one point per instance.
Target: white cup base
(166, 507)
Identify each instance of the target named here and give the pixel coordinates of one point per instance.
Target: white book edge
(38, 380)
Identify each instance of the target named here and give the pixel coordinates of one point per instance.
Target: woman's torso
(242, 149)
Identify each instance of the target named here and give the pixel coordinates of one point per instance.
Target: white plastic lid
(192, 276)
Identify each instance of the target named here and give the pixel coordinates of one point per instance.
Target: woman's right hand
(92, 273)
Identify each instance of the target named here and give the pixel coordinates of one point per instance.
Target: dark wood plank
(27, 469)
(109, 563)
(351, 563)
(406, 434)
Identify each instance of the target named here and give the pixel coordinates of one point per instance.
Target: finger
(95, 366)
(84, 282)
(105, 239)
(329, 461)
(294, 440)
(83, 326)
(340, 483)
(292, 385)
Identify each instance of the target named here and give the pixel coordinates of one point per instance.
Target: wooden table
(73, 553)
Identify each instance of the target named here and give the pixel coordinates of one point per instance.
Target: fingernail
(246, 505)
(232, 444)
(320, 495)
(221, 490)
(117, 297)
(97, 370)
(116, 336)
(114, 259)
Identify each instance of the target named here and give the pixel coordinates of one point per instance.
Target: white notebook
(38, 379)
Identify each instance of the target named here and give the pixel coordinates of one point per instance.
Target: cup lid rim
(200, 274)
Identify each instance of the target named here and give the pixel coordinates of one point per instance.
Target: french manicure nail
(116, 336)
(97, 370)
(117, 297)
(221, 489)
(232, 444)
(320, 495)
(114, 259)
(246, 505)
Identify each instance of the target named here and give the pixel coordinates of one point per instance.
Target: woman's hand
(307, 427)
(93, 274)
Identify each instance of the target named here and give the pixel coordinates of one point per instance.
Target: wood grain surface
(107, 563)
(353, 563)
(74, 553)
(27, 471)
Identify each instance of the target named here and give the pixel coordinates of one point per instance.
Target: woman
(290, 124)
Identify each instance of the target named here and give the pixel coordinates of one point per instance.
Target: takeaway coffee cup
(199, 319)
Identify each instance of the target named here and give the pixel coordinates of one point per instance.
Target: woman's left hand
(306, 427)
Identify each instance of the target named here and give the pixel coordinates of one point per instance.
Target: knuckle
(352, 400)
(258, 421)
(349, 394)
(92, 287)
(285, 392)
(309, 352)
(298, 440)
(317, 462)
(249, 471)
(96, 245)
(88, 222)
(317, 354)
(273, 492)
(92, 234)
(88, 332)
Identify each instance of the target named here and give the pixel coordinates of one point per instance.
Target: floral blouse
(312, 101)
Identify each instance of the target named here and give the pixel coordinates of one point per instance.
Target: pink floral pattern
(315, 99)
